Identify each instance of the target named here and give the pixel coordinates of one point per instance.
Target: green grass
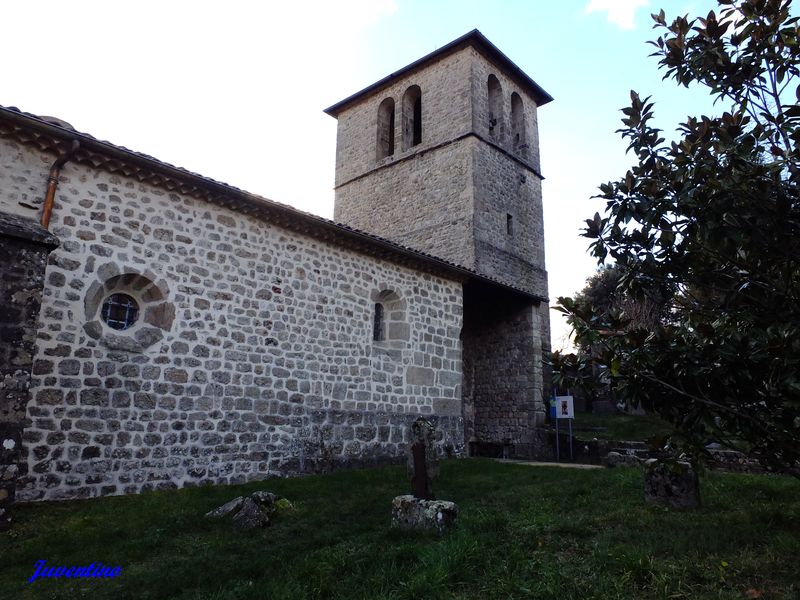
(620, 426)
(524, 532)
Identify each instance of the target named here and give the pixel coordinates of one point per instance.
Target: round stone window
(120, 311)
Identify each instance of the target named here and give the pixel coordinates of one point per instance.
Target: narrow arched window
(518, 124)
(377, 323)
(495, 107)
(385, 128)
(418, 120)
(412, 117)
(390, 328)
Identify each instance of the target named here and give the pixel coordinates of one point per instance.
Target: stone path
(535, 463)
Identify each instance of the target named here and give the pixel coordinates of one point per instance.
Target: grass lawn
(620, 426)
(525, 532)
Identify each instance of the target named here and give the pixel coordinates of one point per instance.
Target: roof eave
(474, 38)
(259, 206)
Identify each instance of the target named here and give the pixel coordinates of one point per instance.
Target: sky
(235, 90)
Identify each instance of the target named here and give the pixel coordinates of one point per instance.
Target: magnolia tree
(712, 221)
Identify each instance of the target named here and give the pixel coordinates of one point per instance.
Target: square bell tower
(443, 156)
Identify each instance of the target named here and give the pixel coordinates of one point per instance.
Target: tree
(713, 218)
(603, 297)
(606, 292)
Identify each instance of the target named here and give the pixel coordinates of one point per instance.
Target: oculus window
(120, 311)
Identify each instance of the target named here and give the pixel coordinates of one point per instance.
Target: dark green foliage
(524, 532)
(714, 219)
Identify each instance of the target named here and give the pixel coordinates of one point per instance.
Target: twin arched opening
(496, 113)
(411, 122)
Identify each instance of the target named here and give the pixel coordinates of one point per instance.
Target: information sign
(564, 407)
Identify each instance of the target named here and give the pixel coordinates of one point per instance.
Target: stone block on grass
(228, 507)
(253, 511)
(250, 515)
(673, 484)
(413, 513)
(617, 459)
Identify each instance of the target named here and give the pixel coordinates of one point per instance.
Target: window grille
(120, 311)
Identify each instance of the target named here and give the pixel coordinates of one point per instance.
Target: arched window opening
(495, 107)
(390, 326)
(418, 121)
(518, 124)
(385, 128)
(378, 333)
(412, 117)
(127, 310)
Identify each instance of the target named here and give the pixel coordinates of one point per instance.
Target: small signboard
(564, 407)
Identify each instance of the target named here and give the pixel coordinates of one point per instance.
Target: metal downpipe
(52, 182)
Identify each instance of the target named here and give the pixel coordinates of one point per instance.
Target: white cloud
(234, 91)
(620, 12)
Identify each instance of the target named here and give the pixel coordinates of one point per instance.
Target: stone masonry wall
(419, 197)
(503, 187)
(510, 188)
(501, 133)
(424, 203)
(23, 179)
(253, 355)
(24, 247)
(444, 202)
(502, 373)
(446, 114)
(517, 257)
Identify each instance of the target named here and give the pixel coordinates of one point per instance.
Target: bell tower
(443, 156)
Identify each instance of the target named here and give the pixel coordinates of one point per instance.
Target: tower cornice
(474, 39)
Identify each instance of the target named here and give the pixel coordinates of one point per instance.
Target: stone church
(160, 329)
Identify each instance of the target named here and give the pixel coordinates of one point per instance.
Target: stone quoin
(190, 332)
